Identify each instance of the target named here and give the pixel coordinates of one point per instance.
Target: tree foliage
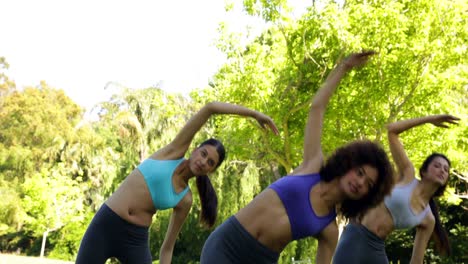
(57, 168)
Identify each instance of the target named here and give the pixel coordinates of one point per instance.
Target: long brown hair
(439, 234)
(206, 192)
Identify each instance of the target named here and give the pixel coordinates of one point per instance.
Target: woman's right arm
(423, 235)
(178, 217)
(182, 141)
(405, 167)
(327, 241)
(312, 155)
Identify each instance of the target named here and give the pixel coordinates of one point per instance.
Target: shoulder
(308, 167)
(330, 233)
(169, 152)
(405, 181)
(186, 202)
(407, 172)
(188, 199)
(428, 221)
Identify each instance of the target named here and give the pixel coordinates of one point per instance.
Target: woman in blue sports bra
(120, 227)
(302, 204)
(410, 204)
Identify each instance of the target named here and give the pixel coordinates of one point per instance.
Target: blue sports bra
(158, 177)
(294, 192)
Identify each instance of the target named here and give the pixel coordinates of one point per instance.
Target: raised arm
(182, 141)
(404, 165)
(313, 131)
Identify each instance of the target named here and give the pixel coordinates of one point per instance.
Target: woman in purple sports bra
(120, 227)
(410, 204)
(302, 204)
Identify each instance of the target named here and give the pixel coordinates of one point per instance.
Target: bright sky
(80, 46)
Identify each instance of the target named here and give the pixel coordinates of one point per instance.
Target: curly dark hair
(355, 154)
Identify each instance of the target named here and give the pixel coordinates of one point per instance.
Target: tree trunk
(44, 238)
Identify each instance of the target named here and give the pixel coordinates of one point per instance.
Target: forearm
(227, 108)
(423, 234)
(165, 255)
(195, 123)
(325, 250)
(324, 256)
(416, 260)
(325, 92)
(403, 125)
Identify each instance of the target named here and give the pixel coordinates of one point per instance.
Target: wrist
(345, 66)
(254, 114)
(428, 119)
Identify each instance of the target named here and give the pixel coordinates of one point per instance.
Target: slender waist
(378, 226)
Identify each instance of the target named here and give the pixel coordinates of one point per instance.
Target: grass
(15, 259)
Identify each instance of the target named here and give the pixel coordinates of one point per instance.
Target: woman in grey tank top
(411, 204)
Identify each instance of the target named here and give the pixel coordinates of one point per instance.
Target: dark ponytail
(209, 201)
(439, 235)
(206, 192)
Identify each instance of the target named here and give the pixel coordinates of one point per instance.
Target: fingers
(367, 53)
(358, 59)
(451, 119)
(265, 120)
(273, 127)
(269, 122)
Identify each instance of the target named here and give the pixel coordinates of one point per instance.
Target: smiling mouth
(353, 188)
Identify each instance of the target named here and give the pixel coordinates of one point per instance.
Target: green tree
(6, 85)
(420, 69)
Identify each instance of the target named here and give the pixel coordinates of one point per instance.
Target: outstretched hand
(265, 120)
(357, 59)
(444, 120)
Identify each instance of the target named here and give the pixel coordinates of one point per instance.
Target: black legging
(358, 245)
(230, 243)
(109, 235)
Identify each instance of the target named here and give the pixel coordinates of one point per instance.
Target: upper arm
(312, 153)
(404, 165)
(183, 139)
(423, 235)
(313, 130)
(327, 243)
(179, 214)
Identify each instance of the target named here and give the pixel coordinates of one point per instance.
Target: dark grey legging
(109, 235)
(358, 245)
(230, 243)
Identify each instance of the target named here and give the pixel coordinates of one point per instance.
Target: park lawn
(15, 259)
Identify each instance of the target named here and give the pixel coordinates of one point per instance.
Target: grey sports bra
(398, 203)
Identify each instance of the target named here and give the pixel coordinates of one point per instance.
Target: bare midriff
(132, 200)
(265, 218)
(379, 221)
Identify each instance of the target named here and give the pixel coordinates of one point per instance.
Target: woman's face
(358, 181)
(437, 171)
(204, 160)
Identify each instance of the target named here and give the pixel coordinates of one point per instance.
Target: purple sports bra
(294, 192)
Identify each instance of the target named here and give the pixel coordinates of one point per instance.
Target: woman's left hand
(265, 121)
(442, 120)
